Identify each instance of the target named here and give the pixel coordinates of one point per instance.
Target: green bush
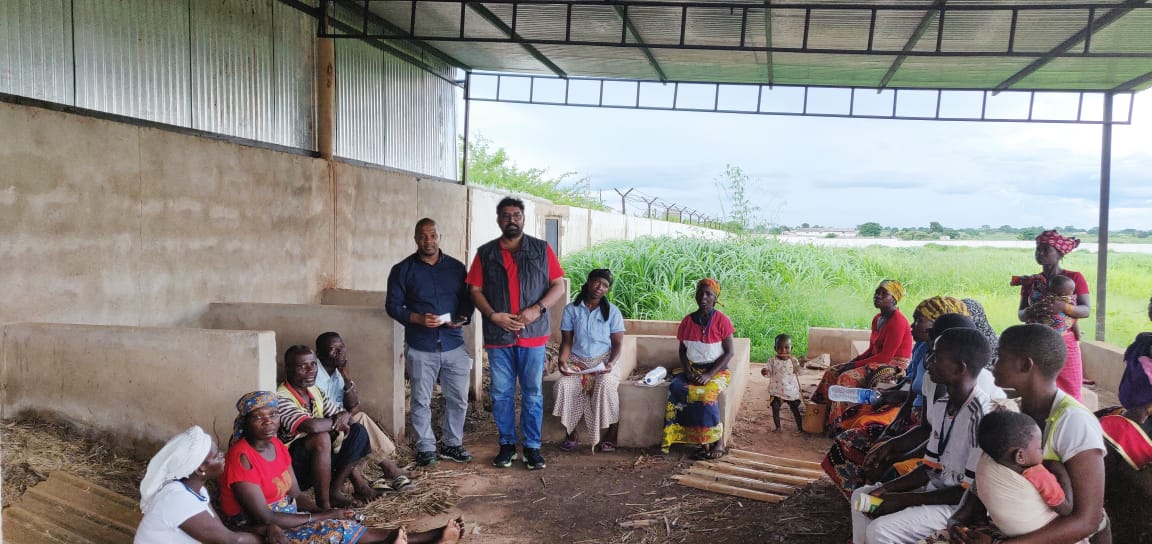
(769, 287)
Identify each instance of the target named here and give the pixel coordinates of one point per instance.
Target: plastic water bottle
(839, 393)
(655, 376)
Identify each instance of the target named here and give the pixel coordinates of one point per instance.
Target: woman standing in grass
(889, 351)
(693, 415)
(1051, 247)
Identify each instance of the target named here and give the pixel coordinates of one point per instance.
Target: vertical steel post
(1105, 185)
(467, 112)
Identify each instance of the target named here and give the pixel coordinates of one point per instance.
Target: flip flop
(607, 447)
(401, 483)
(701, 454)
(568, 445)
(381, 484)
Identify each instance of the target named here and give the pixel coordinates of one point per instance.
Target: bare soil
(628, 496)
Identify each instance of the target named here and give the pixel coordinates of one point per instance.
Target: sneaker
(426, 459)
(506, 456)
(455, 453)
(532, 459)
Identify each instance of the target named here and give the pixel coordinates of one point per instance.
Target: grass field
(768, 287)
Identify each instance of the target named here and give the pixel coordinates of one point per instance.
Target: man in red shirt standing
(513, 280)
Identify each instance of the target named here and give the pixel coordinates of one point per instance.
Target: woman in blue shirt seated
(591, 330)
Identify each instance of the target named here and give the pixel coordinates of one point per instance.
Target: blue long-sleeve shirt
(416, 287)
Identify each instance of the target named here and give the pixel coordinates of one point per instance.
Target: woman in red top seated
(259, 493)
(887, 356)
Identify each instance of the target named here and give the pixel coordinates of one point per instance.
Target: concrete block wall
(837, 343)
(650, 327)
(373, 340)
(145, 384)
(1104, 363)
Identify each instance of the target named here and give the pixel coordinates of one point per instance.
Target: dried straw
(34, 449)
(433, 493)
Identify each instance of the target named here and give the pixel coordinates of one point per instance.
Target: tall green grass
(768, 287)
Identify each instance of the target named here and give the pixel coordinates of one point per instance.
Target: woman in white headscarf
(173, 497)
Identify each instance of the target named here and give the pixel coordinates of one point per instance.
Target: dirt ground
(594, 498)
(581, 498)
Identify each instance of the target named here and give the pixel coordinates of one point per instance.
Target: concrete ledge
(642, 408)
(647, 327)
(353, 297)
(373, 338)
(837, 343)
(1104, 363)
(143, 384)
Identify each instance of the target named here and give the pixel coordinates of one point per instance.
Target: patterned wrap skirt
(844, 462)
(327, 531)
(593, 398)
(693, 412)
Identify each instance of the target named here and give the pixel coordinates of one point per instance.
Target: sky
(842, 172)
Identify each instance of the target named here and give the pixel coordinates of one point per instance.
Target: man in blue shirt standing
(427, 294)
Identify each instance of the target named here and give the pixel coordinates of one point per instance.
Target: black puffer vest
(532, 269)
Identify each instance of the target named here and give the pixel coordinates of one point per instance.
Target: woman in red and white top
(693, 415)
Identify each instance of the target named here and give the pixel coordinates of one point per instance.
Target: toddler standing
(783, 384)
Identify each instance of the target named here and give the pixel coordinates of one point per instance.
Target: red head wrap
(1063, 244)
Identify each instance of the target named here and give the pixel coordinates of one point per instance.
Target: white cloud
(841, 171)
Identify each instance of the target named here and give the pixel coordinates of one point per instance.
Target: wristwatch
(542, 307)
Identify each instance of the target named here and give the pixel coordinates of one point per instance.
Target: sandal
(701, 454)
(568, 445)
(607, 447)
(401, 483)
(381, 484)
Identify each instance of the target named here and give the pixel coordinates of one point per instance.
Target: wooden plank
(757, 474)
(769, 467)
(772, 459)
(715, 487)
(742, 481)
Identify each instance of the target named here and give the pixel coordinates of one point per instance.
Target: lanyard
(946, 436)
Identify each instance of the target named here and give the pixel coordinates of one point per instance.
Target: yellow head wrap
(894, 288)
(932, 308)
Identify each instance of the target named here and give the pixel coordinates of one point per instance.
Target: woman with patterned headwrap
(844, 462)
(259, 493)
(1051, 247)
(693, 414)
(887, 356)
(173, 496)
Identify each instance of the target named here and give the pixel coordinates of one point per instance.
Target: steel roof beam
(622, 12)
(1085, 34)
(369, 16)
(921, 29)
(768, 39)
(499, 23)
(1131, 84)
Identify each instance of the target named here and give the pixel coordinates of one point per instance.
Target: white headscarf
(179, 458)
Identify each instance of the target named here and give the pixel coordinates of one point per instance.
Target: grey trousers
(453, 369)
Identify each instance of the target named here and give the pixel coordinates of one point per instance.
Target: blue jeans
(509, 365)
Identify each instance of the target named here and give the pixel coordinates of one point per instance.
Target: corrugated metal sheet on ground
(66, 509)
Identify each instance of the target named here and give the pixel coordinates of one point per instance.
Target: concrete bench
(642, 408)
(837, 343)
(141, 384)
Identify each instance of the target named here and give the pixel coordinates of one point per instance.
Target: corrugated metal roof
(962, 44)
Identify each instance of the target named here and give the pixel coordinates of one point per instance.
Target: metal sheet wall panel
(294, 88)
(360, 118)
(132, 58)
(232, 67)
(392, 113)
(36, 49)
